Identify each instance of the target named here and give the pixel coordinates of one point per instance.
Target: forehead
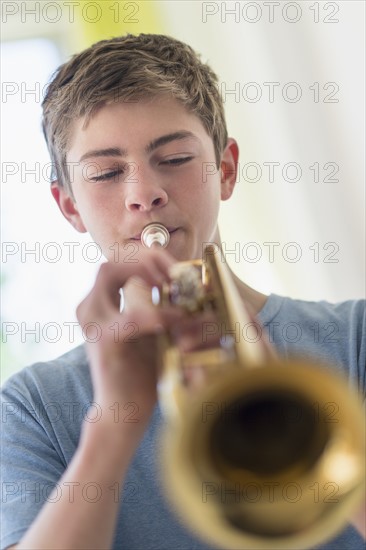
(134, 124)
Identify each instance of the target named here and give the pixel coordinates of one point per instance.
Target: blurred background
(292, 77)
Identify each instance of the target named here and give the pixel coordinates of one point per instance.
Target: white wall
(306, 132)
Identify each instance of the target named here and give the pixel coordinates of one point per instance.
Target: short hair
(129, 68)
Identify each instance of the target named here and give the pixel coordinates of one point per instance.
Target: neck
(253, 300)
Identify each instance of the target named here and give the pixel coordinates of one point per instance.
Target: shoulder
(43, 407)
(66, 375)
(332, 333)
(279, 306)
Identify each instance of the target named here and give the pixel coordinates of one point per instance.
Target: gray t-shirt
(44, 405)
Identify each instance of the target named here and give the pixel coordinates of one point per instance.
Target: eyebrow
(109, 152)
(158, 142)
(163, 140)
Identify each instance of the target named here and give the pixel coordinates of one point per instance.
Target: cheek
(93, 203)
(203, 209)
(99, 218)
(208, 199)
(200, 187)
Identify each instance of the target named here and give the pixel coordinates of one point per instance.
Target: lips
(171, 230)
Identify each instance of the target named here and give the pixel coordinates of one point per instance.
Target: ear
(229, 168)
(67, 205)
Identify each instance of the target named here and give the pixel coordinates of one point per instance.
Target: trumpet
(264, 452)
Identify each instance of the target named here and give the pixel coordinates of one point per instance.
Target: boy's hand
(122, 346)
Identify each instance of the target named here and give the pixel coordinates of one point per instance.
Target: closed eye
(176, 161)
(107, 176)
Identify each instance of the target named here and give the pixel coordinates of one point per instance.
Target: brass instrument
(263, 452)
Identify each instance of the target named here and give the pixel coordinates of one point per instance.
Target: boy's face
(144, 161)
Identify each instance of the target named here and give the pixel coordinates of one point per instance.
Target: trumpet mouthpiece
(155, 234)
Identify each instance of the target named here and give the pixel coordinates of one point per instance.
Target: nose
(143, 197)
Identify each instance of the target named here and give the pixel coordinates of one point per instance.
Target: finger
(134, 324)
(198, 332)
(153, 267)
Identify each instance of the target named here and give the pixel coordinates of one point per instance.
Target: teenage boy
(131, 123)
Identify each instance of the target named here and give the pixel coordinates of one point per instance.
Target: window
(38, 268)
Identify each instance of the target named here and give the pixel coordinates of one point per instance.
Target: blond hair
(123, 69)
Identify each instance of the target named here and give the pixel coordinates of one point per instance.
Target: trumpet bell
(264, 459)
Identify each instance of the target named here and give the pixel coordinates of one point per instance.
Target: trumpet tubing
(262, 452)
